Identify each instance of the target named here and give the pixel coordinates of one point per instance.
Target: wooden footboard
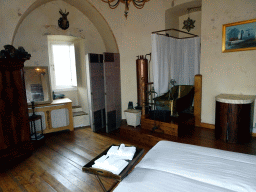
(183, 125)
(198, 100)
(169, 128)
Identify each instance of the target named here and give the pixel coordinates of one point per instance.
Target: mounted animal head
(63, 21)
(64, 15)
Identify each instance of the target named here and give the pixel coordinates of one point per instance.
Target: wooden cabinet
(14, 124)
(46, 111)
(234, 118)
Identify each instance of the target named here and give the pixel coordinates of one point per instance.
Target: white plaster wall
(175, 16)
(233, 72)
(10, 12)
(43, 21)
(173, 3)
(81, 51)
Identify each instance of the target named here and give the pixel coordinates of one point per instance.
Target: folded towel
(101, 159)
(113, 150)
(127, 152)
(116, 165)
(122, 152)
(112, 164)
(121, 167)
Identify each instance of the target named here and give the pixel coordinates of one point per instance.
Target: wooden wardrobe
(14, 124)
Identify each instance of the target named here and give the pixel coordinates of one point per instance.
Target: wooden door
(95, 83)
(112, 85)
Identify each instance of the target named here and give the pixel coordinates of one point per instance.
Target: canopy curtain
(177, 59)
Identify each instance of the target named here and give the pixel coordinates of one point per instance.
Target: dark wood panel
(111, 124)
(96, 98)
(221, 121)
(109, 57)
(233, 122)
(14, 124)
(98, 120)
(94, 58)
(198, 136)
(112, 89)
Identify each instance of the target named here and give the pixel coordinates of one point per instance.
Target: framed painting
(239, 36)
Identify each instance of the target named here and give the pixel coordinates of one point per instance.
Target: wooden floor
(57, 164)
(199, 136)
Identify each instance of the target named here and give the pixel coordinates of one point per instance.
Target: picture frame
(239, 36)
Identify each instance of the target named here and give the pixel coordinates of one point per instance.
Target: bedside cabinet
(234, 118)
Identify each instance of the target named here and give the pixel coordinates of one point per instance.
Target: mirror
(37, 82)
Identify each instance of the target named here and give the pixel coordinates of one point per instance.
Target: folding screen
(104, 91)
(112, 91)
(95, 86)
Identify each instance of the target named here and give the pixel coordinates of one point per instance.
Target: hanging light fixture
(139, 4)
(189, 23)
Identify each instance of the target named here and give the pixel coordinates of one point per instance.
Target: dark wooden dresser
(14, 124)
(234, 118)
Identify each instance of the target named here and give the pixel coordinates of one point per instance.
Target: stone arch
(90, 12)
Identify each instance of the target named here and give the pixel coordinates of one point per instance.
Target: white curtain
(177, 59)
(161, 61)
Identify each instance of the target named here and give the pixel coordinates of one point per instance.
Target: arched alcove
(174, 15)
(43, 21)
(86, 23)
(90, 12)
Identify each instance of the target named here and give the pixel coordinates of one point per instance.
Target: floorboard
(56, 164)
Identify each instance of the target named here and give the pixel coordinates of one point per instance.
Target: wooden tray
(89, 169)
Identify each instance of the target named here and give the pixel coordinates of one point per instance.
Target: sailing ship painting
(239, 36)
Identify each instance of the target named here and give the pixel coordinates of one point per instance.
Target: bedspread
(230, 170)
(149, 180)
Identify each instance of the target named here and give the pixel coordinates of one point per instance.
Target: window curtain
(177, 59)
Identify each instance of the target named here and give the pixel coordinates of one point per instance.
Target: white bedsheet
(233, 171)
(148, 180)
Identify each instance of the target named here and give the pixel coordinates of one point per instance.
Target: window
(62, 64)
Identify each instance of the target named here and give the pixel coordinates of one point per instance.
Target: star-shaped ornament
(188, 24)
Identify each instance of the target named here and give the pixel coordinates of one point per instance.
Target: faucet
(172, 82)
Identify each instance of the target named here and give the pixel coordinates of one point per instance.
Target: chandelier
(139, 4)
